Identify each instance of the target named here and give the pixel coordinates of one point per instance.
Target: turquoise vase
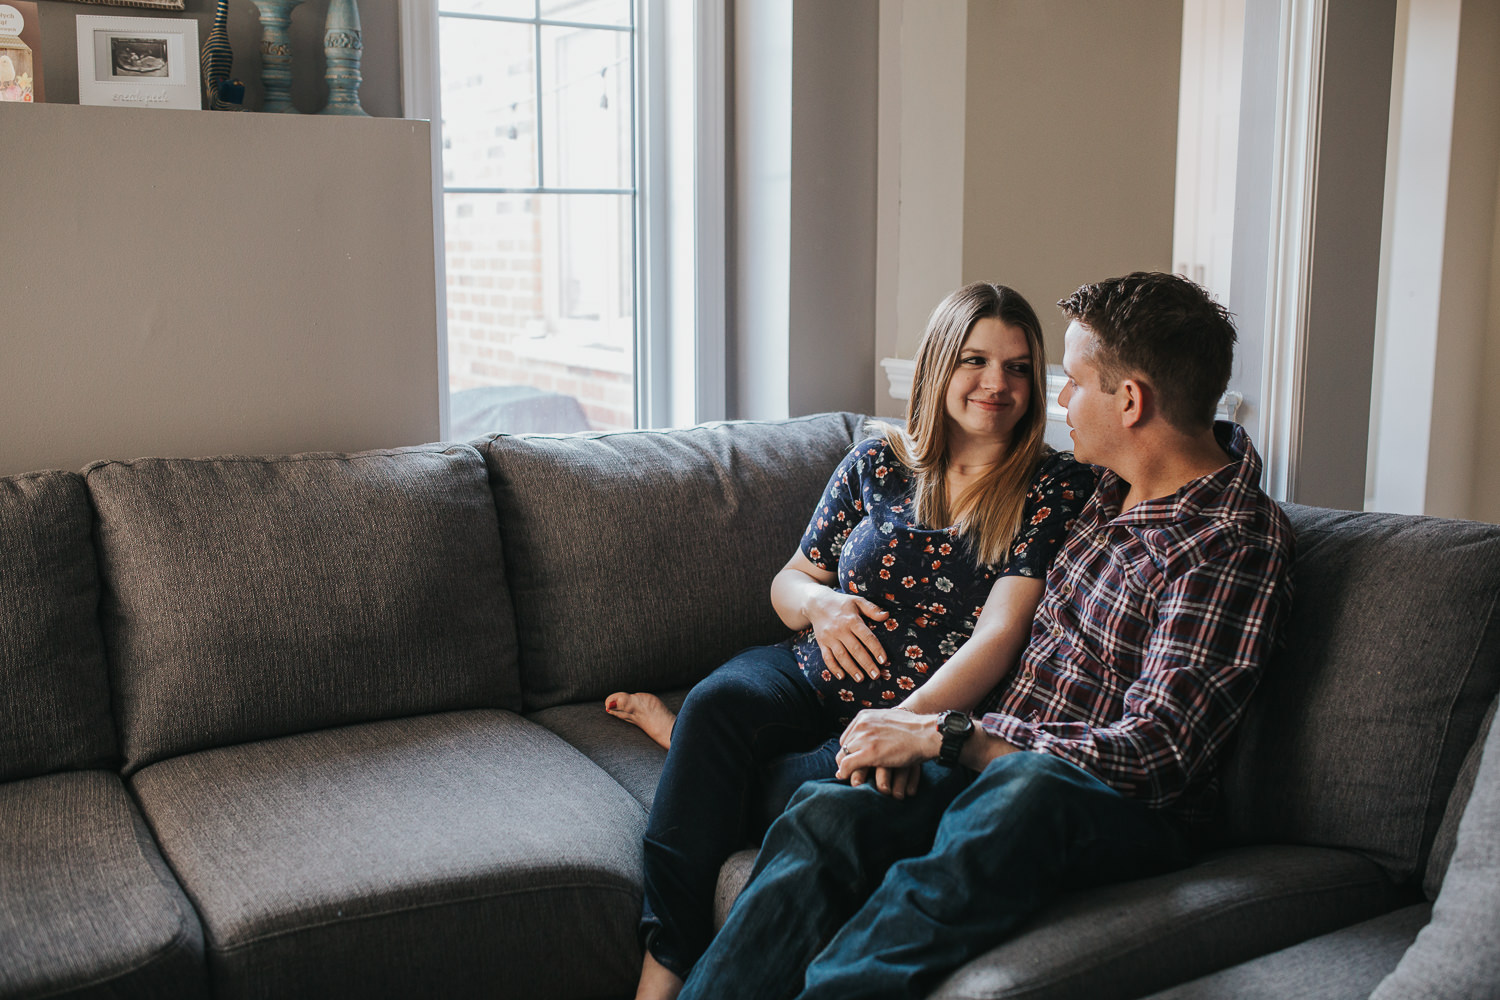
(342, 45)
(276, 54)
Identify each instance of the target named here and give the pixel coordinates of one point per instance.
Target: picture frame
(156, 4)
(143, 62)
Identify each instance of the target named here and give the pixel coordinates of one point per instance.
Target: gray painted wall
(380, 65)
(1070, 155)
(199, 283)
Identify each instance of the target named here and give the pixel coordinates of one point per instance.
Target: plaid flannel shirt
(1152, 634)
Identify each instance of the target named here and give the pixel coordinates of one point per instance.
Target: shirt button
(1057, 631)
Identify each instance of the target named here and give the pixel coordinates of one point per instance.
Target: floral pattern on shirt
(863, 531)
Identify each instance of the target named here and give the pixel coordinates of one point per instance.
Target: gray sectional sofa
(331, 725)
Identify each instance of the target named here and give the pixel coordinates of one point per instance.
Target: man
(1096, 757)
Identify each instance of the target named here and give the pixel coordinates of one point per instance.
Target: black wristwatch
(956, 728)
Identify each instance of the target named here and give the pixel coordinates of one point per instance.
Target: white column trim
(709, 222)
(421, 98)
(1293, 204)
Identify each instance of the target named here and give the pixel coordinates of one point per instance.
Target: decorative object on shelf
(144, 62)
(20, 53)
(160, 4)
(342, 45)
(276, 54)
(220, 93)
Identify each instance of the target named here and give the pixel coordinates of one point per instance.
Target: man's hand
(892, 743)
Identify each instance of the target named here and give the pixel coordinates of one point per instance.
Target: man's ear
(1133, 398)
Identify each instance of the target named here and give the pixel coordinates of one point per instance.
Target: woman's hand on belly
(848, 644)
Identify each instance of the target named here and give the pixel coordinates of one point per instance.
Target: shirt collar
(1224, 487)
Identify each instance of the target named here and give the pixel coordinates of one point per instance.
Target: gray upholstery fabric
(1344, 965)
(642, 560)
(1126, 940)
(1458, 801)
(733, 877)
(1392, 656)
(254, 597)
(1457, 955)
(87, 907)
(55, 711)
(452, 854)
(623, 751)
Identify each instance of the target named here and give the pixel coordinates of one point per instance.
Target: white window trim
(1294, 195)
(681, 372)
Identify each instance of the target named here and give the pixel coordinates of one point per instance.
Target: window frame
(680, 232)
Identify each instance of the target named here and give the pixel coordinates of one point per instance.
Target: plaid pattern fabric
(1152, 634)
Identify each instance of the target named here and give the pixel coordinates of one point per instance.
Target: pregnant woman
(914, 584)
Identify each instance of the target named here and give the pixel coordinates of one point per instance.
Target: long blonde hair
(987, 513)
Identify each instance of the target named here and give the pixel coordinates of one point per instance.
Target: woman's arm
(971, 673)
(804, 595)
(983, 661)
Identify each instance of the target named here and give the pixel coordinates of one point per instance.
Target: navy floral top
(863, 530)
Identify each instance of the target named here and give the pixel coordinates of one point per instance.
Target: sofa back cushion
(1456, 954)
(1391, 656)
(54, 713)
(254, 597)
(1458, 801)
(641, 560)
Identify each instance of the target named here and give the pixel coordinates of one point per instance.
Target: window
(559, 126)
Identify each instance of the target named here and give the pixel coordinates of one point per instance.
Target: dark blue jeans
(856, 894)
(748, 735)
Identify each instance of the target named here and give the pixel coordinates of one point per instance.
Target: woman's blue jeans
(856, 894)
(748, 735)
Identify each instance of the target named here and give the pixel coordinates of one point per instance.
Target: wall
(1486, 505)
(1434, 453)
(380, 91)
(1070, 145)
(803, 207)
(214, 283)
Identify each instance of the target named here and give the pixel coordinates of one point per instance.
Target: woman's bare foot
(657, 981)
(644, 710)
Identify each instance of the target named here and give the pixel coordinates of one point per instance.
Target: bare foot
(657, 981)
(644, 710)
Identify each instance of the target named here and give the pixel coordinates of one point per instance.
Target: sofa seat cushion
(1344, 965)
(55, 712)
(641, 560)
(87, 906)
(247, 598)
(625, 753)
(1129, 939)
(456, 854)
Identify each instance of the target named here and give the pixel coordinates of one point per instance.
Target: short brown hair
(1165, 328)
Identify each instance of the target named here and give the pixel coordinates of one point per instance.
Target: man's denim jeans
(747, 737)
(856, 894)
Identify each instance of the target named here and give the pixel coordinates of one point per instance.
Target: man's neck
(1167, 462)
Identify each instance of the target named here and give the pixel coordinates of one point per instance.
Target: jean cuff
(651, 940)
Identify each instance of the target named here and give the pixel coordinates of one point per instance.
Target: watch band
(956, 728)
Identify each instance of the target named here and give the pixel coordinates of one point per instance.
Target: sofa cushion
(1130, 939)
(87, 906)
(55, 712)
(1344, 965)
(1457, 955)
(1392, 654)
(640, 560)
(253, 597)
(439, 855)
(624, 752)
(1458, 801)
